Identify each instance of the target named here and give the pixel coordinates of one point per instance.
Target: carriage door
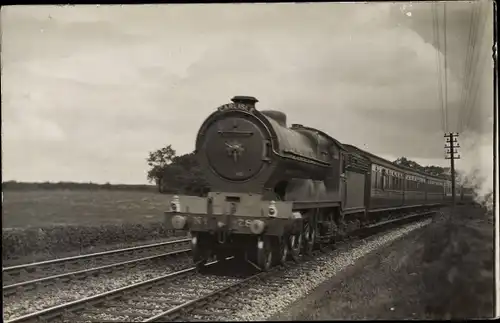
(343, 179)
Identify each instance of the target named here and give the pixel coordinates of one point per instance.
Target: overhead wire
(479, 67)
(476, 65)
(472, 63)
(435, 28)
(474, 95)
(467, 65)
(445, 71)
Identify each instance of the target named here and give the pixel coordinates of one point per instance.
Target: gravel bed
(30, 301)
(269, 297)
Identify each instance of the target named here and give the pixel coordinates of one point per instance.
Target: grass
(42, 224)
(42, 208)
(458, 265)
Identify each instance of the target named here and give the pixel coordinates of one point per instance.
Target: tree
(403, 161)
(158, 160)
(176, 174)
(185, 176)
(432, 170)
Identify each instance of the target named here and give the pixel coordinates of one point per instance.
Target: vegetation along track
(37, 274)
(174, 296)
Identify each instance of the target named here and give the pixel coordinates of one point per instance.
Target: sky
(88, 91)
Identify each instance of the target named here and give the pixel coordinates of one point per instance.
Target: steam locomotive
(278, 192)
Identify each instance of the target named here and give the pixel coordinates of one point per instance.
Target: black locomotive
(279, 191)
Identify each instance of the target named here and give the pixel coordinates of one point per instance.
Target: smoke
(476, 141)
(476, 166)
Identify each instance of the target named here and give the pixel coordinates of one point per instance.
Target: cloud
(99, 87)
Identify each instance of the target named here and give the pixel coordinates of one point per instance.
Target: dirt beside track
(443, 271)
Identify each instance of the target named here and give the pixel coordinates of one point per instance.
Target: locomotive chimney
(248, 100)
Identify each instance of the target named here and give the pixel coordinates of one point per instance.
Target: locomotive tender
(279, 191)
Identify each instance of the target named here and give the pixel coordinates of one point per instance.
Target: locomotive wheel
(282, 251)
(295, 246)
(264, 254)
(310, 236)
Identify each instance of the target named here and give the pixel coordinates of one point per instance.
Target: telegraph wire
(445, 73)
(478, 65)
(472, 64)
(435, 28)
(467, 65)
(475, 92)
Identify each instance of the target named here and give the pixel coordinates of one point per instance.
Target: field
(42, 208)
(43, 224)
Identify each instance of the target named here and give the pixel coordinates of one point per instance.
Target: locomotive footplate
(225, 225)
(226, 214)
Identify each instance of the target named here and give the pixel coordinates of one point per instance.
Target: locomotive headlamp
(272, 209)
(257, 226)
(179, 222)
(220, 224)
(175, 205)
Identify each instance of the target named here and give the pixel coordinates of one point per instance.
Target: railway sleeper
(158, 299)
(140, 307)
(223, 306)
(204, 312)
(112, 312)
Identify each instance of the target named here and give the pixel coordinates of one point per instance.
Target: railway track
(174, 296)
(38, 274)
(159, 298)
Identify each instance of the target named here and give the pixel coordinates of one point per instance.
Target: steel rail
(92, 255)
(7, 289)
(397, 220)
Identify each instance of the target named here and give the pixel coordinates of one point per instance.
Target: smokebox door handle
(235, 133)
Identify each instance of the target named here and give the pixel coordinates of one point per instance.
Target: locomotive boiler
(251, 151)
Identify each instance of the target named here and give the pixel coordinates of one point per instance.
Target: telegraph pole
(451, 151)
